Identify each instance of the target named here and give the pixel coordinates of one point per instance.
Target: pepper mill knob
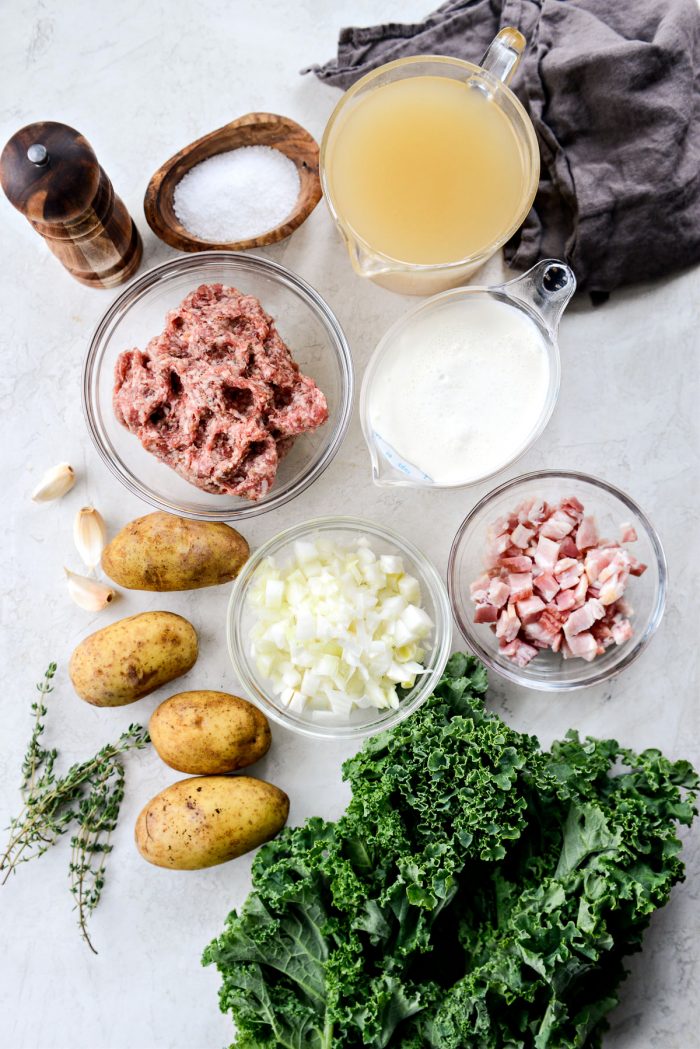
(50, 173)
(38, 155)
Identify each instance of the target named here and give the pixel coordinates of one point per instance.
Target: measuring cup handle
(503, 54)
(546, 288)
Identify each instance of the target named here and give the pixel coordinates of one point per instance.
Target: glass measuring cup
(540, 295)
(490, 80)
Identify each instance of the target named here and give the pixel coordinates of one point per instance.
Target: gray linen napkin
(613, 90)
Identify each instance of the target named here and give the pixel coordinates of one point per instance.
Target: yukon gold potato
(209, 732)
(205, 820)
(132, 657)
(162, 552)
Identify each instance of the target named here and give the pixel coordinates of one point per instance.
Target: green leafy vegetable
(477, 892)
(86, 799)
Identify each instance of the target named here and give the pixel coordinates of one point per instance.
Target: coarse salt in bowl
(549, 671)
(305, 323)
(237, 195)
(361, 722)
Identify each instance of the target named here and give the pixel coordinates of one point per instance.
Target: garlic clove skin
(89, 594)
(55, 483)
(90, 536)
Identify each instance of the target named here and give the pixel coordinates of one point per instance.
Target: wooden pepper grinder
(51, 174)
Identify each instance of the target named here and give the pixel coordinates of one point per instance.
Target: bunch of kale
(478, 892)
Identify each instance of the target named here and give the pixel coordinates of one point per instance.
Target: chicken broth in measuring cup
(429, 165)
(427, 170)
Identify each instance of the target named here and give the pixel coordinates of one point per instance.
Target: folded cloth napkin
(613, 90)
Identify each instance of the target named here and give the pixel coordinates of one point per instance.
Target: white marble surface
(141, 80)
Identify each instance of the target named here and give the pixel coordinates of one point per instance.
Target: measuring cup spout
(546, 288)
(389, 468)
(503, 54)
(363, 262)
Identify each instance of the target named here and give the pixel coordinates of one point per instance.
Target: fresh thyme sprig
(96, 815)
(86, 799)
(36, 755)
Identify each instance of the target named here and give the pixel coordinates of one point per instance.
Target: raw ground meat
(217, 395)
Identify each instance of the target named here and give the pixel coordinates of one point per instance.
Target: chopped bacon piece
(570, 577)
(583, 618)
(498, 593)
(596, 561)
(572, 506)
(530, 609)
(565, 563)
(628, 533)
(508, 624)
(521, 536)
(581, 590)
(523, 509)
(568, 548)
(636, 567)
(486, 614)
(602, 633)
(520, 584)
(612, 589)
(621, 631)
(619, 564)
(587, 534)
(546, 627)
(558, 525)
(565, 600)
(519, 652)
(516, 564)
(538, 512)
(482, 583)
(579, 578)
(547, 585)
(547, 553)
(496, 548)
(583, 645)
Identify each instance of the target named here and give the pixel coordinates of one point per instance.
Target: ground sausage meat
(217, 395)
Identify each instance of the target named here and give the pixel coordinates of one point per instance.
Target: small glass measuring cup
(541, 294)
(490, 78)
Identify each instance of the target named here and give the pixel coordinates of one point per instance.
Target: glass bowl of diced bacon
(557, 580)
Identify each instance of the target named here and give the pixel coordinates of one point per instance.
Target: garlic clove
(90, 535)
(55, 483)
(90, 594)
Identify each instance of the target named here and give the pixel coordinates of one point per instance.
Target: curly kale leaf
(477, 892)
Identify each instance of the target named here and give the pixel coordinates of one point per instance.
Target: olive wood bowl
(253, 129)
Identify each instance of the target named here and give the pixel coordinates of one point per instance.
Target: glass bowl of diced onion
(339, 628)
(615, 514)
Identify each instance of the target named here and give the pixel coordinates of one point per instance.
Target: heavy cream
(459, 391)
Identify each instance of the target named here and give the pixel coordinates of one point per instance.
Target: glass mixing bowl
(304, 322)
(241, 618)
(646, 594)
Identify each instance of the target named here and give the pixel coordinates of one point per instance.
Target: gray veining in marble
(141, 79)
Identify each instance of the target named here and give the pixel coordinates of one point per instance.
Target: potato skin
(162, 552)
(132, 657)
(205, 732)
(205, 820)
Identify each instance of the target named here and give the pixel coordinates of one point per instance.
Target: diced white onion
(338, 629)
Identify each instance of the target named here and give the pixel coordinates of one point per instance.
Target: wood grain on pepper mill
(50, 173)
